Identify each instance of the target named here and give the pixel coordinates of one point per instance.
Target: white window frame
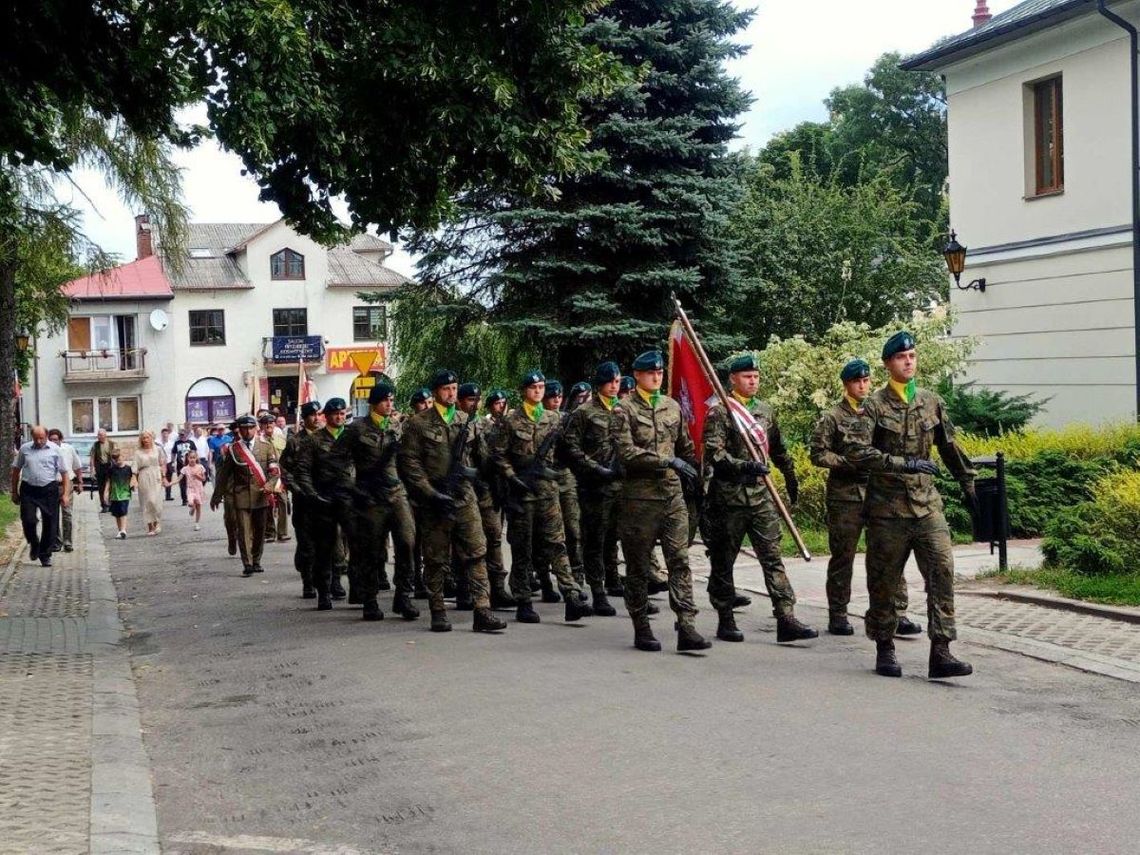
(94, 399)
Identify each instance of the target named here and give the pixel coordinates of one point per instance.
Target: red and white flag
(688, 385)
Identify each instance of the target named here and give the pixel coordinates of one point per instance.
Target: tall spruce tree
(585, 272)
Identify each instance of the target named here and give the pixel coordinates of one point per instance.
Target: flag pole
(301, 384)
(754, 450)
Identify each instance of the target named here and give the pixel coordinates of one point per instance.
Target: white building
(145, 345)
(1042, 189)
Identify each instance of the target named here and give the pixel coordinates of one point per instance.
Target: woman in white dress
(149, 468)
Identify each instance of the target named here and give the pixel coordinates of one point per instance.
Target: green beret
(531, 378)
(496, 395)
(856, 369)
(628, 384)
(607, 372)
(380, 392)
(651, 360)
(443, 377)
(897, 343)
(468, 390)
(553, 389)
(747, 362)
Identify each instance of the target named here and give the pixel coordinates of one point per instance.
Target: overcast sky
(799, 52)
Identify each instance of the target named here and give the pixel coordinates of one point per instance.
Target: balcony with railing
(107, 365)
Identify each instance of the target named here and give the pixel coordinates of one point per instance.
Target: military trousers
(641, 524)
(727, 526)
(464, 532)
(492, 519)
(890, 541)
(538, 539)
(251, 524)
(572, 523)
(229, 517)
(598, 525)
(329, 553)
(303, 531)
(279, 523)
(844, 525)
(391, 516)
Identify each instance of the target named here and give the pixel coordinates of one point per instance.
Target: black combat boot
(549, 595)
(576, 609)
(944, 664)
(908, 627)
(385, 585)
(324, 601)
(439, 622)
(372, 609)
(658, 587)
(403, 606)
(689, 639)
(246, 570)
(886, 664)
(740, 601)
(308, 592)
(526, 613)
(614, 586)
(602, 607)
(726, 629)
(838, 624)
(257, 568)
(643, 637)
(484, 620)
(336, 589)
(651, 608)
(500, 597)
(789, 628)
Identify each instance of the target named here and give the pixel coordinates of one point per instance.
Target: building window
(369, 323)
(115, 415)
(287, 264)
(1048, 136)
(210, 400)
(290, 322)
(208, 327)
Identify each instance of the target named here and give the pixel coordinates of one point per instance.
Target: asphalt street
(274, 728)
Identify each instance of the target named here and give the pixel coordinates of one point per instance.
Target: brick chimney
(981, 14)
(144, 239)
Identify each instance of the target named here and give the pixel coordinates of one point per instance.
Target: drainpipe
(1134, 40)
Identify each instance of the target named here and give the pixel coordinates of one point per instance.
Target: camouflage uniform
(491, 516)
(652, 505)
(302, 509)
(834, 434)
(536, 532)
(739, 505)
(904, 511)
(591, 449)
(424, 461)
(382, 502)
(322, 476)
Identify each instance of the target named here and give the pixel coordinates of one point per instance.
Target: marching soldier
(846, 491)
(420, 401)
(491, 516)
(320, 477)
(277, 528)
(739, 504)
(580, 393)
(249, 470)
(656, 452)
(434, 458)
(302, 506)
(523, 448)
(904, 510)
(496, 405)
(592, 453)
(567, 490)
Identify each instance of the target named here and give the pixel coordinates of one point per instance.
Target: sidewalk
(73, 773)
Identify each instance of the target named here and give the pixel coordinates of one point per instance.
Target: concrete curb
(1051, 601)
(123, 817)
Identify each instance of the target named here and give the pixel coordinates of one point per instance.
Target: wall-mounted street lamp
(955, 255)
(22, 341)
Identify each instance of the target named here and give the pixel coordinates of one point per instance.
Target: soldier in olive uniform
(552, 400)
(739, 504)
(591, 450)
(420, 401)
(449, 511)
(320, 476)
(371, 444)
(536, 529)
(247, 490)
(904, 510)
(492, 517)
(846, 490)
(656, 453)
(302, 507)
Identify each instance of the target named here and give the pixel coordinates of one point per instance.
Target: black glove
(606, 474)
(683, 469)
(792, 485)
(442, 503)
(520, 485)
(970, 500)
(755, 467)
(914, 466)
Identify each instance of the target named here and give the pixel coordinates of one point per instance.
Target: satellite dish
(159, 320)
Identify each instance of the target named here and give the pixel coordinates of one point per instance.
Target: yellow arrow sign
(363, 360)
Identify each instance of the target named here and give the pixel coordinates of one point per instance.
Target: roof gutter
(1134, 65)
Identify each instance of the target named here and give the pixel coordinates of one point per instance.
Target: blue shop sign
(297, 348)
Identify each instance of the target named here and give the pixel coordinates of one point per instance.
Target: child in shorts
(121, 482)
(195, 475)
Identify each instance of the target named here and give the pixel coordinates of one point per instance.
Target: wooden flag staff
(754, 450)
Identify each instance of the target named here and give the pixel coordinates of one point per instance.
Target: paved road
(274, 728)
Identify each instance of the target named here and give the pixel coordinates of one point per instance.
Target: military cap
(266, 418)
(420, 395)
(310, 408)
(553, 389)
(380, 392)
(232, 426)
(443, 377)
(496, 395)
(245, 421)
(856, 369)
(900, 341)
(582, 388)
(651, 360)
(468, 390)
(744, 362)
(531, 378)
(606, 372)
(627, 384)
(333, 404)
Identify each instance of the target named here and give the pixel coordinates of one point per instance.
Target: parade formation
(612, 463)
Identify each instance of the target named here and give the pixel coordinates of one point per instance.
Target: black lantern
(22, 341)
(955, 255)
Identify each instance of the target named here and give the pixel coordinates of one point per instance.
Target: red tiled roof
(140, 280)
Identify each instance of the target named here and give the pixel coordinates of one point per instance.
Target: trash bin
(992, 522)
